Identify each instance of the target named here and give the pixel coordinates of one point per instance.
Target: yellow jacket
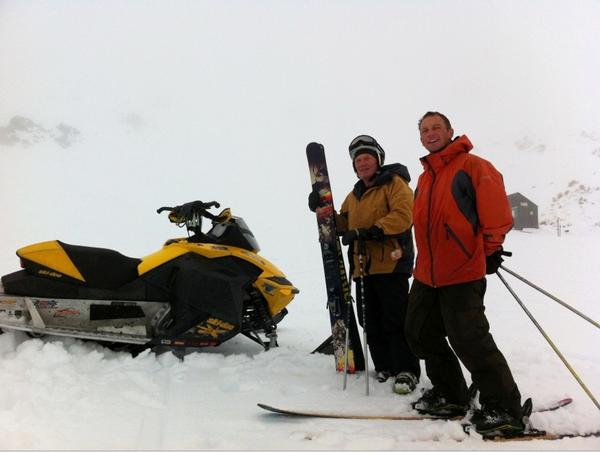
(387, 204)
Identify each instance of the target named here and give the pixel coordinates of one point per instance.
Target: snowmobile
(196, 291)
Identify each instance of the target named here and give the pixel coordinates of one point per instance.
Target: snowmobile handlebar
(186, 212)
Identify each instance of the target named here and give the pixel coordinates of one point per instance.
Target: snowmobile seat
(102, 268)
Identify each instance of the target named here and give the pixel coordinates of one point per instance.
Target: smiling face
(435, 134)
(366, 165)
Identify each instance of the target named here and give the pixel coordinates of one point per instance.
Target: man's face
(435, 136)
(366, 166)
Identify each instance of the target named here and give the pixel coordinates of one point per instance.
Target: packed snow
(67, 394)
(112, 109)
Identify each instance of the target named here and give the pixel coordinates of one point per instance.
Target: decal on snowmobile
(215, 327)
(45, 304)
(50, 273)
(66, 312)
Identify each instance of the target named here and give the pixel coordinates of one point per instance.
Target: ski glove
(494, 260)
(373, 233)
(314, 200)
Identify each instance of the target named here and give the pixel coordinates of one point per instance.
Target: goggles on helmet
(362, 140)
(364, 143)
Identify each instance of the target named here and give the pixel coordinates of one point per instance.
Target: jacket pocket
(450, 234)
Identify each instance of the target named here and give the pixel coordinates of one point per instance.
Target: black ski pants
(457, 312)
(386, 298)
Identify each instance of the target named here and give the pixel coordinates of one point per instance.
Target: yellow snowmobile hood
(272, 284)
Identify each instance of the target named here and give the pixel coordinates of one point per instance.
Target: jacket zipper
(450, 233)
(429, 225)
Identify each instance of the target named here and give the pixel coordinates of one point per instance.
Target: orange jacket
(461, 214)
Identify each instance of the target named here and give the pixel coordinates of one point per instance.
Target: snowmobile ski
(339, 298)
(392, 417)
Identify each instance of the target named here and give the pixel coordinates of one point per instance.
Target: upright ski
(339, 298)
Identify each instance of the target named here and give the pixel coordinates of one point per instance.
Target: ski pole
(349, 302)
(556, 350)
(361, 248)
(549, 295)
(346, 344)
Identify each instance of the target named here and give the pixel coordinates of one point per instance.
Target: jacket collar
(385, 174)
(460, 145)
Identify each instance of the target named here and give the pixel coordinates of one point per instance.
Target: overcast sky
(181, 100)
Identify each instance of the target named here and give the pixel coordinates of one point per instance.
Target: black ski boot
(493, 420)
(435, 404)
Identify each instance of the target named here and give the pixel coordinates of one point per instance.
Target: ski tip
(314, 145)
(565, 401)
(268, 408)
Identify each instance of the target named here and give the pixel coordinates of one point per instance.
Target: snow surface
(66, 394)
(124, 106)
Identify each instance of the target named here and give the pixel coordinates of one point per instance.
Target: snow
(67, 394)
(125, 106)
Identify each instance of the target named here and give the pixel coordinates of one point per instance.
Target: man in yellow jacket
(378, 214)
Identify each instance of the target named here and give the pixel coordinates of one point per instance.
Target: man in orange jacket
(461, 214)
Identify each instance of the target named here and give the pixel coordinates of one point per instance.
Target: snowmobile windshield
(234, 232)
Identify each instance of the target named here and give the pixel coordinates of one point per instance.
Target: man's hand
(372, 233)
(494, 260)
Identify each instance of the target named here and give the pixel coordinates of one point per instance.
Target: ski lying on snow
(531, 434)
(406, 417)
(537, 434)
(332, 415)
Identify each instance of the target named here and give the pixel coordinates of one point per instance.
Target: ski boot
(405, 383)
(494, 421)
(432, 403)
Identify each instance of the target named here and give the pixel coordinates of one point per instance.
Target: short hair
(435, 113)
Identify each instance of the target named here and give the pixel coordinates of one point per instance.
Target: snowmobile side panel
(80, 318)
